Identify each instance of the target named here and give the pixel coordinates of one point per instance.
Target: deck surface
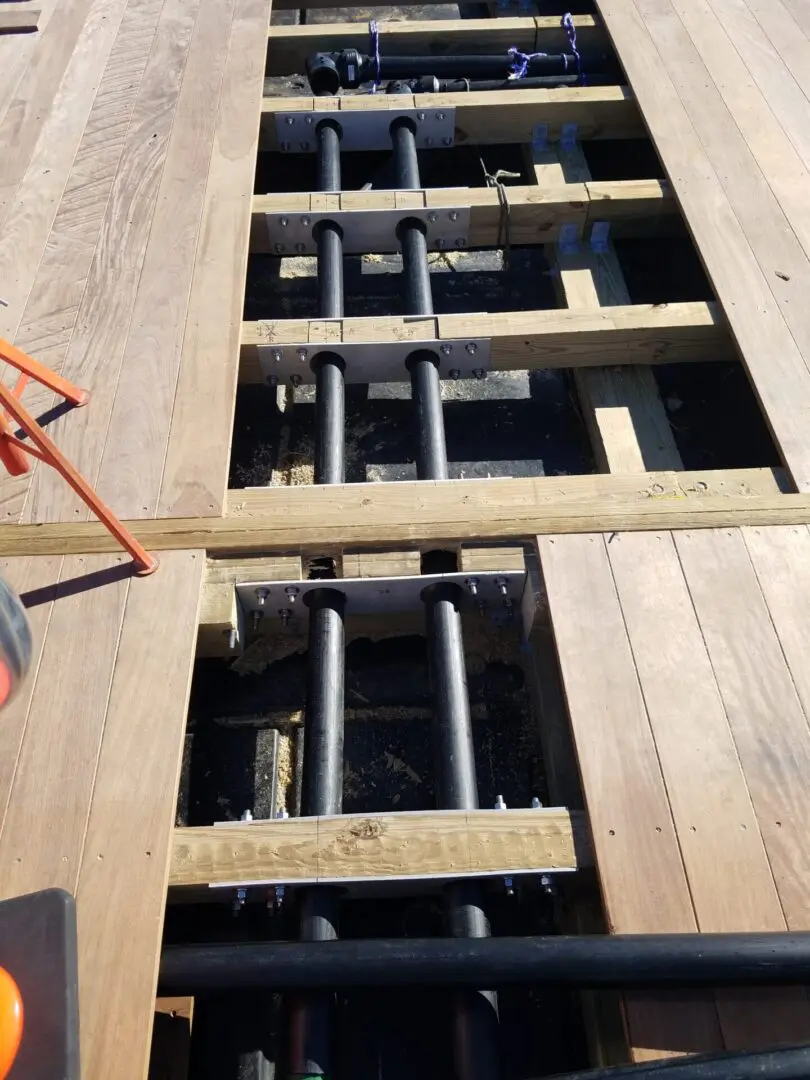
(129, 130)
(724, 89)
(685, 660)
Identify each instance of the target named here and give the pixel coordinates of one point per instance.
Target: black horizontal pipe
(429, 84)
(785, 1063)
(622, 961)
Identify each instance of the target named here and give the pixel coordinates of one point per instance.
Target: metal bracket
(374, 361)
(365, 130)
(485, 592)
(367, 231)
(569, 239)
(600, 237)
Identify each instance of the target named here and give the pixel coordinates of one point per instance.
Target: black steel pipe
(330, 418)
(630, 961)
(412, 236)
(426, 395)
(429, 84)
(327, 135)
(406, 162)
(323, 720)
(784, 1063)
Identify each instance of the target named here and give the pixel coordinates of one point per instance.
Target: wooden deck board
(115, 124)
(744, 265)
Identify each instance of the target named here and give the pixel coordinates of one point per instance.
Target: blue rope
(571, 32)
(374, 49)
(520, 62)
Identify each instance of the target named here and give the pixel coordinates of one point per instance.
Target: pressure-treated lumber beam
(632, 207)
(289, 46)
(523, 340)
(381, 847)
(322, 519)
(18, 18)
(495, 116)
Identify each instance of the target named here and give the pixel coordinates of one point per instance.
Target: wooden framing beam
(381, 847)
(289, 46)
(323, 519)
(523, 340)
(632, 207)
(16, 18)
(495, 116)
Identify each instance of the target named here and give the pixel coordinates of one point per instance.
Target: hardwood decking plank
(196, 468)
(43, 831)
(774, 361)
(53, 306)
(636, 849)
(706, 787)
(122, 881)
(767, 721)
(95, 353)
(27, 221)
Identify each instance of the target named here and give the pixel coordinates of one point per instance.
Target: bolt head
(440, 243)
(275, 356)
(479, 373)
(272, 381)
(471, 348)
(453, 215)
(447, 141)
(261, 595)
(302, 355)
(455, 373)
(429, 141)
(433, 217)
(305, 146)
(308, 120)
(284, 222)
(440, 116)
(472, 584)
(295, 380)
(446, 348)
(461, 242)
(300, 248)
(285, 146)
(292, 591)
(289, 120)
(420, 116)
(305, 222)
(279, 249)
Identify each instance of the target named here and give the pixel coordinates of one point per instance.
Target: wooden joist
(16, 18)
(495, 116)
(322, 519)
(632, 207)
(523, 340)
(289, 46)
(380, 847)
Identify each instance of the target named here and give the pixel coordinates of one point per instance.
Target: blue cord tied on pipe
(571, 34)
(520, 62)
(374, 49)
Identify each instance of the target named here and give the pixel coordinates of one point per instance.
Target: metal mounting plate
(375, 596)
(365, 129)
(374, 361)
(368, 231)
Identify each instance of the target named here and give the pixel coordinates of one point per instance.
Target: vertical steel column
(330, 394)
(423, 366)
(310, 1027)
(475, 1033)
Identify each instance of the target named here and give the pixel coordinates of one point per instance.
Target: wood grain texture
(329, 519)
(43, 831)
(195, 474)
(132, 462)
(633, 207)
(717, 829)
(533, 340)
(122, 880)
(97, 348)
(724, 227)
(366, 847)
(636, 847)
(495, 116)
(289, 46)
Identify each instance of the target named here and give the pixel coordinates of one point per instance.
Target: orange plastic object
(11, 1022)
(14, 451)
